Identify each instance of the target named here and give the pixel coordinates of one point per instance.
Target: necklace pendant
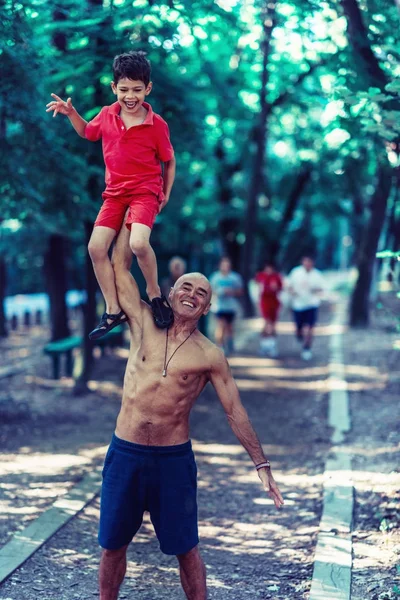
(164, 373)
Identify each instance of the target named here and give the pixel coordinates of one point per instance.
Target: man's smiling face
(190, 297)
(130, 94)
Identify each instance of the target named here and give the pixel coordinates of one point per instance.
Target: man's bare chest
(181, 361)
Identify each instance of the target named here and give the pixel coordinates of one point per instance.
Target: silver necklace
(164, 373)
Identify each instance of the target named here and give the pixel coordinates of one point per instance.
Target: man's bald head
(196, 279)
(191, 289)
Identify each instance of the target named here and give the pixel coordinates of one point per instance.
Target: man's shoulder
(214, 276)
(296, 271)
(318, 275)
(211, 350)
(236, 276)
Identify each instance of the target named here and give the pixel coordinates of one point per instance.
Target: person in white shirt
(305, 286)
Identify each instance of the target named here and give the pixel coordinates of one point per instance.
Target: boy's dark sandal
(104, 326)
(162, 312)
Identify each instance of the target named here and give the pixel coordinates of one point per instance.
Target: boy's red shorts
(143, 208)
(270, 309)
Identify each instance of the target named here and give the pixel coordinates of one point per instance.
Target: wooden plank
(332, 568)
(337, 514)
(12, 370)
(26, 542)
(333, 556)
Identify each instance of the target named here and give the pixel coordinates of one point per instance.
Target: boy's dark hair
(132, 65)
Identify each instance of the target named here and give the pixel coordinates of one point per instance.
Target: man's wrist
(263, 465)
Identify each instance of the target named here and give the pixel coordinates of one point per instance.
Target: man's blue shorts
(305, 317)
(159, 479)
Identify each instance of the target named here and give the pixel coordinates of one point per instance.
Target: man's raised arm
(127, 289)
(238, 419)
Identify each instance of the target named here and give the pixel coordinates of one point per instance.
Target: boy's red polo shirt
(132, 156)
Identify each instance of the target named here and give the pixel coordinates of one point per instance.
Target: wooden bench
(58, 348)
(112, 339)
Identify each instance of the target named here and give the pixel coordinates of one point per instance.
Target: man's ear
(207, 310)
(149, 88)
(114, 88)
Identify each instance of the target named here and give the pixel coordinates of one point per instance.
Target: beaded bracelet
(264, 464)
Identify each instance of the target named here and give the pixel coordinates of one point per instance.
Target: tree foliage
(279, 119)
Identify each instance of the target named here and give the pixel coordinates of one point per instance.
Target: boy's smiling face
(131, 94)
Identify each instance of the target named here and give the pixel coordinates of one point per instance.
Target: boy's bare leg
(112, 572)
(99, 245)
(140, 245)
(193, 575)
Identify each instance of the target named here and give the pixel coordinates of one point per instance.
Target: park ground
(50, 439)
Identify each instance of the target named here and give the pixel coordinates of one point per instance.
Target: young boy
(271, 284)
(135, 143)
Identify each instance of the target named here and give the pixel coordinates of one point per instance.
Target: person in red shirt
(271, 284)
(135, 144)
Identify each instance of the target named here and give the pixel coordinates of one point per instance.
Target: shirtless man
(150, 463)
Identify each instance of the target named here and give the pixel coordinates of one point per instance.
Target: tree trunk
(392, 241)
(268, 11)
(358, 37)
(89, 320)
(374, 76)
(359, 307)
(56, 283)
(228, 225)
(94, 190)
(3, 328)
(292, 204)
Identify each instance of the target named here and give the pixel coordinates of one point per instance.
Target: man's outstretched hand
(271, 487)
(60, 106)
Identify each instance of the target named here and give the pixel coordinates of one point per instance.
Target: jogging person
(227, 287)
(271, 284)
(306, 285)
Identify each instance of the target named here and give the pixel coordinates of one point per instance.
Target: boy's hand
(60, 106)
(162, 205)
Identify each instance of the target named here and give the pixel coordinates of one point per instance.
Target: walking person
(150, 463)
(306, 286)
(271, 284)
(227, 287)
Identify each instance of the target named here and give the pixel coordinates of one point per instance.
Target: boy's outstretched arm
(65, 108)
(127, 289)
(169, 177)
(228, 394)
